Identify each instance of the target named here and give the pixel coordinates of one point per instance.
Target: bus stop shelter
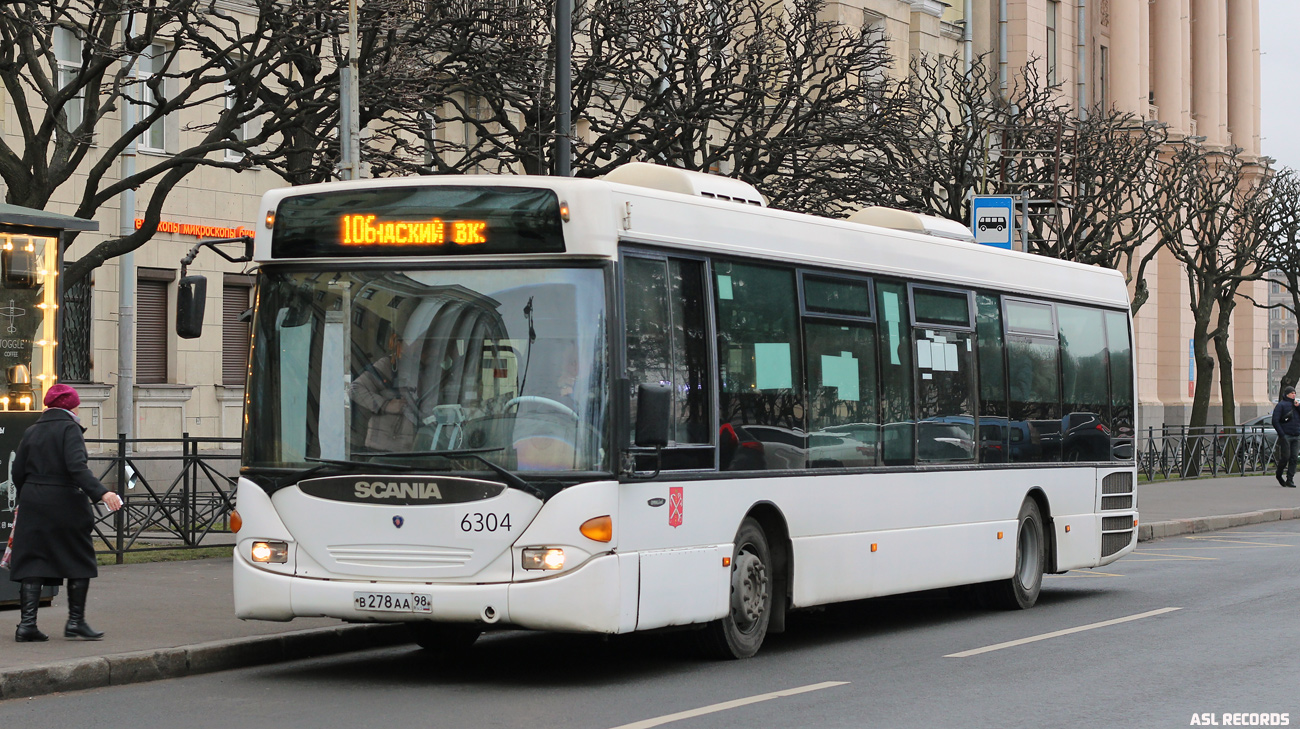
(31, 256)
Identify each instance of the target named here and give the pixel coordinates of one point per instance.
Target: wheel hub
(748, 591)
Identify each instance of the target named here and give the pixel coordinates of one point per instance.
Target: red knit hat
(62, 396)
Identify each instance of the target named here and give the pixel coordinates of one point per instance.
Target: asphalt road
(1191, 625)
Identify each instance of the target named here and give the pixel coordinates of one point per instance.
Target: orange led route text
(362, 230)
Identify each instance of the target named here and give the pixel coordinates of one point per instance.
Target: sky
(1279, 62)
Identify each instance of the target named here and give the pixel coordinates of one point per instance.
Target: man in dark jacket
(1286, 421)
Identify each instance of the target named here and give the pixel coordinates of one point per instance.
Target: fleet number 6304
(476, 521)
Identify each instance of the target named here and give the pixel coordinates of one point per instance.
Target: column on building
(1207, 76)
(924, 34)
(1243, 84)
(1168, 31)
(1126, 56)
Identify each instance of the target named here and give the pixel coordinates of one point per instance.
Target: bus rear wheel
(446, 638)
(741, 632)
(1020, 591)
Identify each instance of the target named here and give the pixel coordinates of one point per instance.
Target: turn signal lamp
(236, 521)
(270, 552)
(599, 529)
(543, 558)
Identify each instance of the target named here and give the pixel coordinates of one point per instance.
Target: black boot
(30, 599)
(77, 627)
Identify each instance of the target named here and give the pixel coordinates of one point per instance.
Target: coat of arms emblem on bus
(674, 506)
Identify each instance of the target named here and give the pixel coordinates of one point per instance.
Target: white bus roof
(605, 212)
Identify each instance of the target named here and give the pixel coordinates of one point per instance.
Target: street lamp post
(563, 84)
(349, 104)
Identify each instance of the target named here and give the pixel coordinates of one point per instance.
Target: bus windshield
(384, 365)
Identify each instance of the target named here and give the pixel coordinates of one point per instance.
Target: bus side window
(1086, 428)
(761, 424)
(1033, 378)
(897, 424)
(945, 364)
(993, 445)
(1120, 355)
(843, 422)
(667, 342)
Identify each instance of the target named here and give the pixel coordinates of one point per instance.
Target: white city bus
(648, 400)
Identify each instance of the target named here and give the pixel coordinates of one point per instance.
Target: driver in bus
(390, 426)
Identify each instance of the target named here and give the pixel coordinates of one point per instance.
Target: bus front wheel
(1020, 591)
(741, 632)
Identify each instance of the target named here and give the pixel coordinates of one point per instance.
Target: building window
(1053, 12)
(235, 301)
(151, 340)
(241, 131)
(1103, 76)
(67, 51)
(149, 66)
(75, 355)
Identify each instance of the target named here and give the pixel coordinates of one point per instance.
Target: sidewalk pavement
(171, 619)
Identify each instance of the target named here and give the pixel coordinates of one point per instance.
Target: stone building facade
(1192, 64)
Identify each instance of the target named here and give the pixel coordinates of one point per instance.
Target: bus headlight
(543, 558)
(270, 552)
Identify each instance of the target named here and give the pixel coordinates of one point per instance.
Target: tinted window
(895, 345)
(759, 367)
(938, 307)
(1034, 386)
(1084, 386)
(945, 429)
(842, 420)
(836, 296)
(666, 343)
(993, 380)
(1024, 316)
(1121, 377)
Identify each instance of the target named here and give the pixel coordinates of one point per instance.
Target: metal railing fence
(194, 505)
(1174, 452)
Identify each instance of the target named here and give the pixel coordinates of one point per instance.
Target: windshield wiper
(327, 463)
(512, 480)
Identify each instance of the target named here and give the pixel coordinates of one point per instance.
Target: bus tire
(741, 632)
(445, 638)
(1020, 591)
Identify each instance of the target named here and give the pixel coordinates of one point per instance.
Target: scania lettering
(648, 400)
(391, 490)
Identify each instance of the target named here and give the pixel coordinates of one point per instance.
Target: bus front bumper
(586, 599)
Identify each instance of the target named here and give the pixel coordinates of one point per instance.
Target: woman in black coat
(51, 540)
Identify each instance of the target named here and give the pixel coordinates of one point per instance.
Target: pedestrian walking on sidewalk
(1286, 421)
(52, 537)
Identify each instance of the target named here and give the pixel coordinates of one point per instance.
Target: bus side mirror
(654, 403)
(191, 296)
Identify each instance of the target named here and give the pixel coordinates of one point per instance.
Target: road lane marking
(1175, 556)
(733, 704)
(1059, 633)
(1240, 541)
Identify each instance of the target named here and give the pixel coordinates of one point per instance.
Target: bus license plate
(392, 602)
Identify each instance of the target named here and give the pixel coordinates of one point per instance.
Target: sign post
(993, 220)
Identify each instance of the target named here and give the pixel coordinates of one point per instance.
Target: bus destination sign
(429, 220)
(365, 230)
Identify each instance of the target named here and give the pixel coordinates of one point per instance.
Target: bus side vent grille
(1117, 483)
(1114, 542)
(1116, 523)
(1116, 502)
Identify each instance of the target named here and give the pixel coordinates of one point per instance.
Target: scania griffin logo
(397, 490)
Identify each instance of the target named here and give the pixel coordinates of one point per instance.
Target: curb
(1161, 529)
(189, 660)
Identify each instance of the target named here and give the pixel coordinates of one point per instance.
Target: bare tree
(71, 66)
(1282, 254)
(1214, 223)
